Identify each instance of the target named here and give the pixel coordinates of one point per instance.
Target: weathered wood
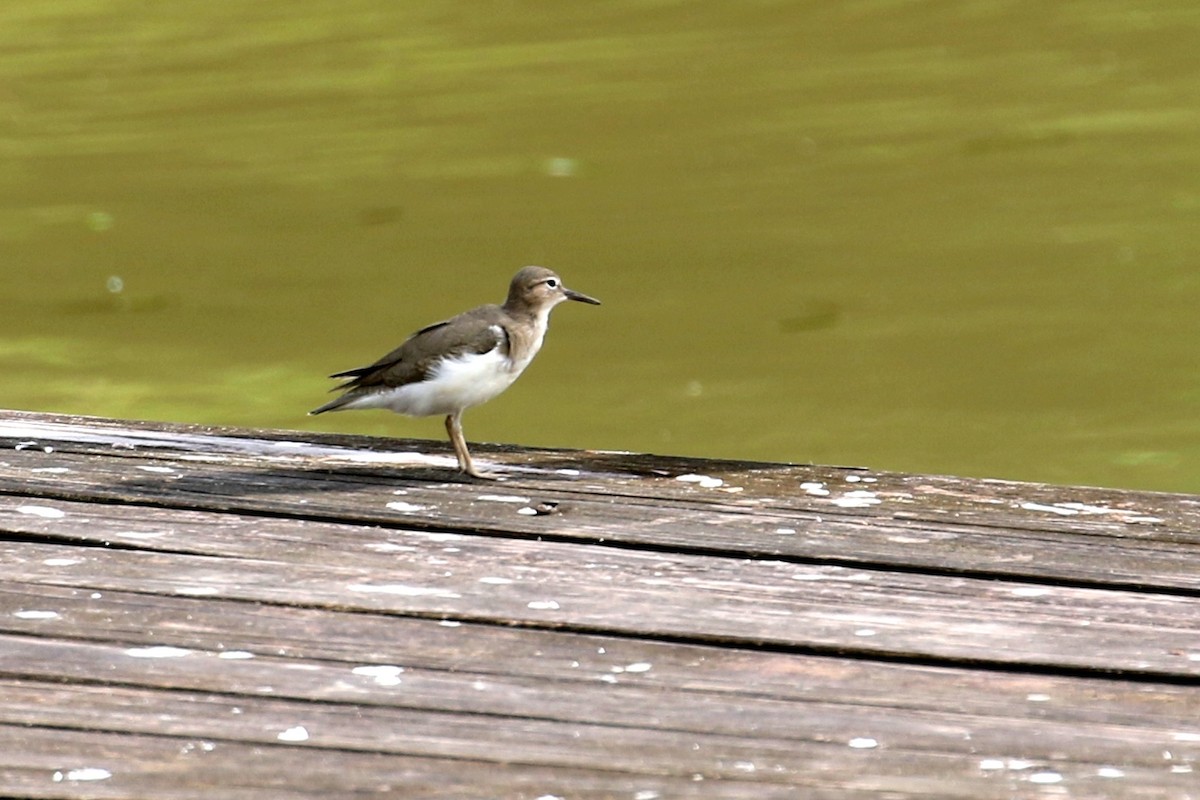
(987, 528)
(652, 594)
(280, 687)
(320, 635)
(592, 626)
(927, 753)
(41, 763)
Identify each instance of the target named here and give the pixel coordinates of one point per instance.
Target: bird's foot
(471, 472)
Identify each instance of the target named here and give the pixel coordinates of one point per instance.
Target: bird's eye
(552, 283)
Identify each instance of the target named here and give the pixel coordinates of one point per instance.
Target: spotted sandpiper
(450, 366)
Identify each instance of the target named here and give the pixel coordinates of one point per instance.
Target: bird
(450, 366)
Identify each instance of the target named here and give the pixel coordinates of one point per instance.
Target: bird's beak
(583, 298)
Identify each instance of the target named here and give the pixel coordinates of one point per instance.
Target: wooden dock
(191, 612)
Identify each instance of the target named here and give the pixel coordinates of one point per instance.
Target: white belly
(456, 384)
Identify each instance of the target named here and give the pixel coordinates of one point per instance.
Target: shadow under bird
(465, 361)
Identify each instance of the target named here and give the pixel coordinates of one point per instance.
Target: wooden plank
(1044, 746)
(678, 595)
(609, 725)
(491, 652)
(628, 476)
(1161, 566)
(906, 763)
(55, 763)
(1079, 558)
(919, 743)
(592, 626)
(1144, 540)
(688, 597)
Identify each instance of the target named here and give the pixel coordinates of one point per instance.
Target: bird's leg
(454, 429)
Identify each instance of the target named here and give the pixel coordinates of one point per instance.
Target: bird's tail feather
(333, 405)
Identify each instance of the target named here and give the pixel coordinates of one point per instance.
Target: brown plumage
(450, 366)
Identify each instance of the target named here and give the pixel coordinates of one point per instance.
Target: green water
(934, 237)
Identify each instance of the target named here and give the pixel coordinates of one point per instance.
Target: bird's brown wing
(477, 331)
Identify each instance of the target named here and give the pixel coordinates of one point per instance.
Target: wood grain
(196, 612)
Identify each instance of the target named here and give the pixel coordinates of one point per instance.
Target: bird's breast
(524, 344)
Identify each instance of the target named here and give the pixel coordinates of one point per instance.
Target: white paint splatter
(865, 632)
(389, 547)
(196, 591)
(1030, 591)
(859, 498)
(405, 507)
(1110, 772)
(503, 498)
(1087, 509)
(785, 531)
(382, 674)
(863, 743)
(1045, 777)
(161, 470)
(495, 580)
(83, 774)
(51, 470)
(1186, 736)
(815, 488)
(450, 623)
(1038, 698)
(297, 734)
(527, 511)
(235, 655)
(157, 652)
(1062, 512)
(363, 457)
(991, 764)
(639, 666)
(32, 614)
(42, 511)
(703, 481)
(570, 472)
(1127, 515)
(62, 562)
(543, 605)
